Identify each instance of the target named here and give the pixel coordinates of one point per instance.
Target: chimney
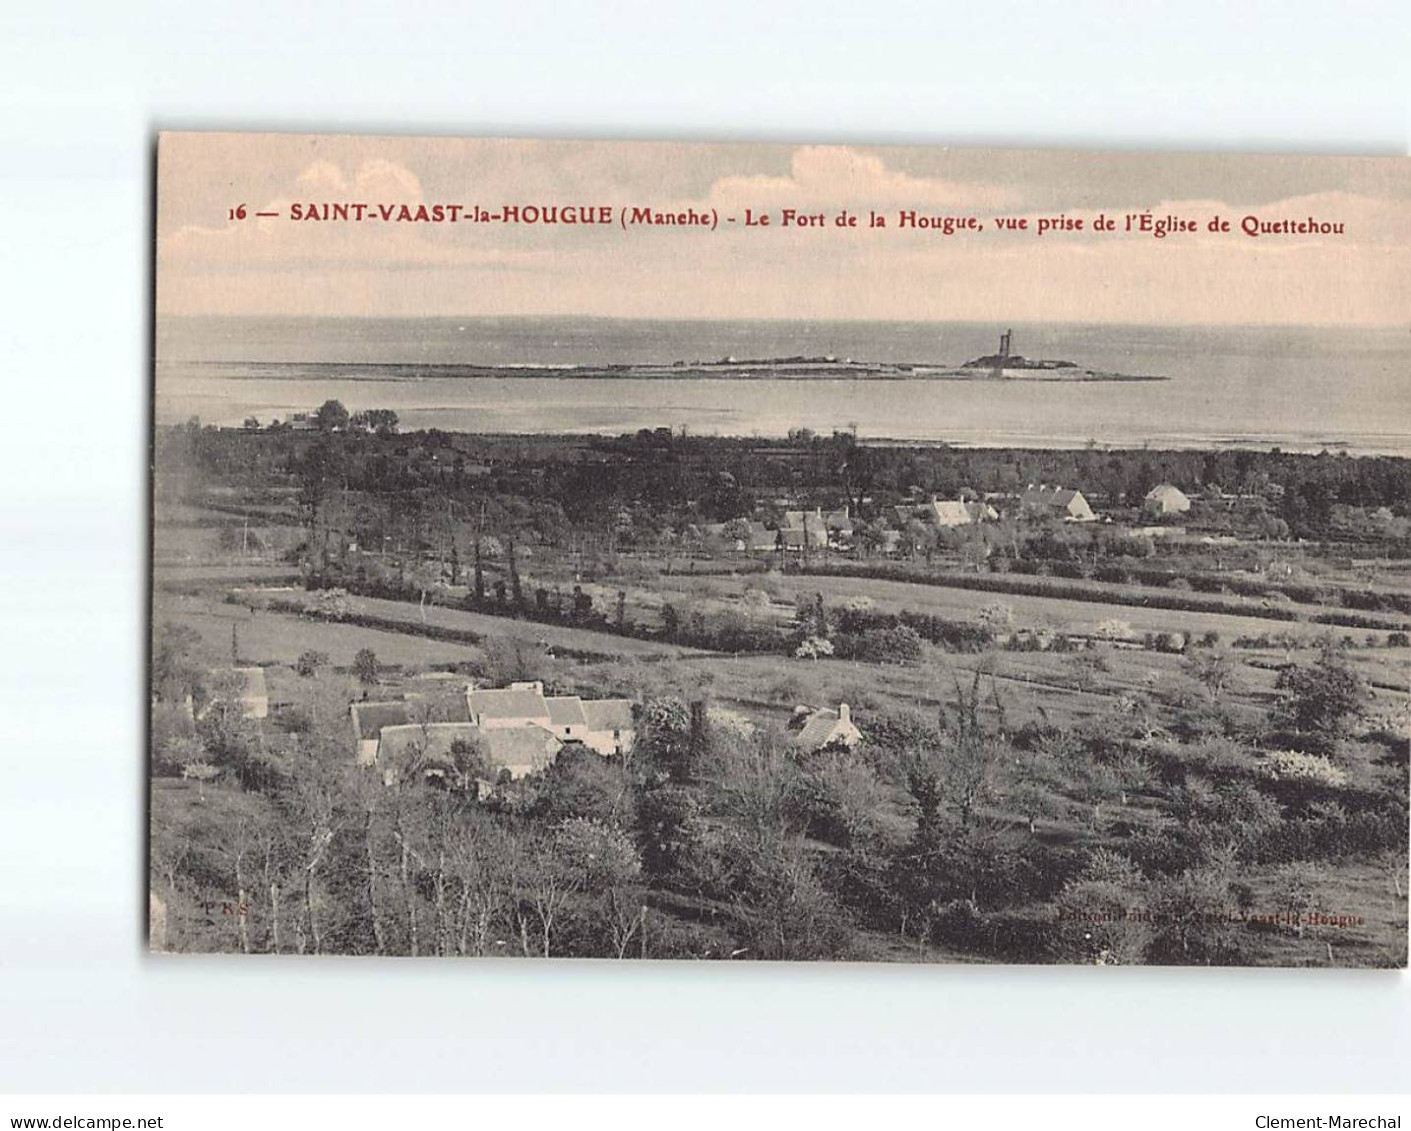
(844, 713)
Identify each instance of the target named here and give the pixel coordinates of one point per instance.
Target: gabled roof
(370, 718)
(566, 711)
(434, 740)
(825, 726)
(521, 750)
(608, 714)
(455, 708)
(810, 521)
(762, 538)
(507, 703)
(839, 519)
(1165, 491)
(945, 512)
(954, 512)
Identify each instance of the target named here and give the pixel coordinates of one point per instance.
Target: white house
(946, 512)
(610, 728)
(1059, 502)
(1166, 498)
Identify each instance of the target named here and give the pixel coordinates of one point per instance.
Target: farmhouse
(1055, 502)
(517, 728)
(813, 729)
(1166, 498)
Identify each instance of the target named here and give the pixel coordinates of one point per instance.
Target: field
(1043, 778)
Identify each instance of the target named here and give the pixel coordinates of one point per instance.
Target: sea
(1301, 389)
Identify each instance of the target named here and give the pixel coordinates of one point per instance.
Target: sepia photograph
(764, 552)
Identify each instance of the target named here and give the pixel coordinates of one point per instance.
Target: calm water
(1300, 388)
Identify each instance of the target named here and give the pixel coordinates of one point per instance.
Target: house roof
(438, 738)
(608, 714)
(1165, 491)
(522, 749)
(519, 749)
(566, 711)
(953, 512)
(944, 512)
(762, 538)
(508, 703)
(370, 718)
(838, 519)
(811, 521)
(824, 725)
(1050, 496)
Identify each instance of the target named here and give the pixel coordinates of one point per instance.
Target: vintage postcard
(730, 551)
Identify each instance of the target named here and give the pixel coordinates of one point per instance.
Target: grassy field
(279, 638)
(1053, 613)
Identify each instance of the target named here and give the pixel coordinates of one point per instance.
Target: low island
(1002, 366)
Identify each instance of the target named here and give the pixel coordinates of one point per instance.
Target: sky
(208, 263)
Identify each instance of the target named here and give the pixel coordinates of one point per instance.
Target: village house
(945, 512)
(840, 528)
(1055, 502)
(813, 729)
(1166, 498)
(805, 529)
(762, 538)
(610, 728)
